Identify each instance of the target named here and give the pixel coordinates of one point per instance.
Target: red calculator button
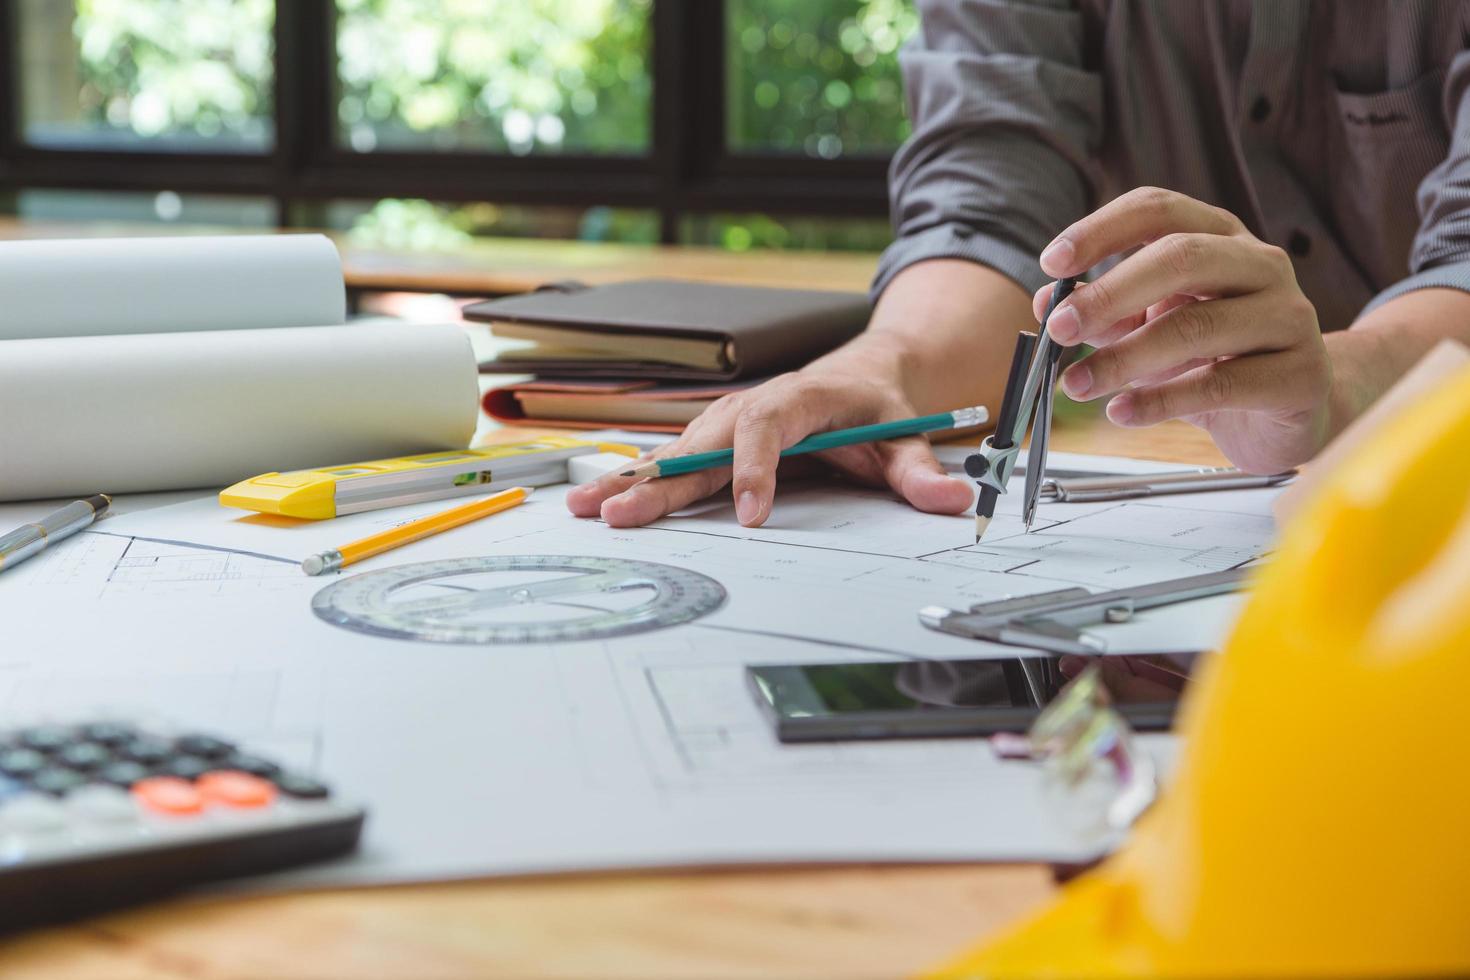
(169, 794)
(238, 789)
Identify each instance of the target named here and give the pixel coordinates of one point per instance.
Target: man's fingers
(1168, 303)
(1189, 263)
(759, 439)
(910, 468)
(586, 500)
(1262, 383)
(1126, 222)
(1117, 330)
(652, 499)
(1216, 328)
(1173, 372)
(709, 430)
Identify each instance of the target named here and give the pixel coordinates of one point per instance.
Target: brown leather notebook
(671, 330)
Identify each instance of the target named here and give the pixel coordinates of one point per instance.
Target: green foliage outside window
(194, 71)
(817, 78)
(419, 224)
(517, 76)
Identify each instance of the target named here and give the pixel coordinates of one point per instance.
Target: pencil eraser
(585, 469)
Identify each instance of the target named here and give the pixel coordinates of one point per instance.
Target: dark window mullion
(672, 106)
(305, 83)
(9, 87)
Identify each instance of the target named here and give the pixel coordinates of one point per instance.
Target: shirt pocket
(1380, 146)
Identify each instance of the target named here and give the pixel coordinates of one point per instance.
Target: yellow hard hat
(1320, 818)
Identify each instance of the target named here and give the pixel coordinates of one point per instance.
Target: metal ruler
(1052, 620)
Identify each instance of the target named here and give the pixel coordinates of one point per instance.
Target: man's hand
(759, 423)
(938, 340)
(1205, 322)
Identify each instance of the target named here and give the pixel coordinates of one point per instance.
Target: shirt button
(1300, 243)
(1260, 109)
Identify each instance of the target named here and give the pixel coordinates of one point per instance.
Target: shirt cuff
(957, 241)
(1451, 275)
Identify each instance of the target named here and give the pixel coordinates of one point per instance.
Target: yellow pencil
(376, 544)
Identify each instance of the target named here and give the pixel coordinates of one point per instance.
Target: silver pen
(29, 539)
(1080, 489)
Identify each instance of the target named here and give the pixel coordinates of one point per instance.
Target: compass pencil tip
(982, 523)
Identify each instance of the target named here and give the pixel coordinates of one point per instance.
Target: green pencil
(960, 418)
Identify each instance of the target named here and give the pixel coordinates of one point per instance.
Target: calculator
(99, 814)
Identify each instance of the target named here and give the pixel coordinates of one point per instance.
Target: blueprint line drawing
(605, 752)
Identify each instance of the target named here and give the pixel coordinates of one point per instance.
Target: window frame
(687, 170)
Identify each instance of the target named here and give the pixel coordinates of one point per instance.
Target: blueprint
(641, 750)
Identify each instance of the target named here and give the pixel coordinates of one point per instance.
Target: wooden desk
(500, 266)
(866, 921)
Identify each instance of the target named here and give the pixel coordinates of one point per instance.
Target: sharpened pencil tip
(643, 470)
(981, 524)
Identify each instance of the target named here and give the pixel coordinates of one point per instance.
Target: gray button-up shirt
(1338, 129)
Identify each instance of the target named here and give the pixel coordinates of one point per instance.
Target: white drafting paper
(636, 751)
(92, 287)
(643, 751)
(162, 411)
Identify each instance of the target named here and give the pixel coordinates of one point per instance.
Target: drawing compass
(1028, 398)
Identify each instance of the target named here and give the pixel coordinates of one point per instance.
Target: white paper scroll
(160, 285)
(136, 373)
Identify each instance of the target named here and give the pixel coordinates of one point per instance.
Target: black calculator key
(185, 767)
(22, 763)
(83, 755)
(109, 733)
(46, 738)
(57, 781)
(301, 787)
(206, 746)
(149, 751)
(124, 773)
(252, 764)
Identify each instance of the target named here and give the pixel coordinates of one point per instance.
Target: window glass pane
(132, 207)
(411, 223)
(519, 76)
(147, 74)
(743, 232)
(818, 78)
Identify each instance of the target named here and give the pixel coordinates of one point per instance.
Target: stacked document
(157, 364)
(652, 354)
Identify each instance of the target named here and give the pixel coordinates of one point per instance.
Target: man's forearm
(944, 329)
(1379, 348)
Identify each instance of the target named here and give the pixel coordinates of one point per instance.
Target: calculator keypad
(72, 782)
(105, 813)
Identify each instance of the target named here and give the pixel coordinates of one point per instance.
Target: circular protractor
(518, 599)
